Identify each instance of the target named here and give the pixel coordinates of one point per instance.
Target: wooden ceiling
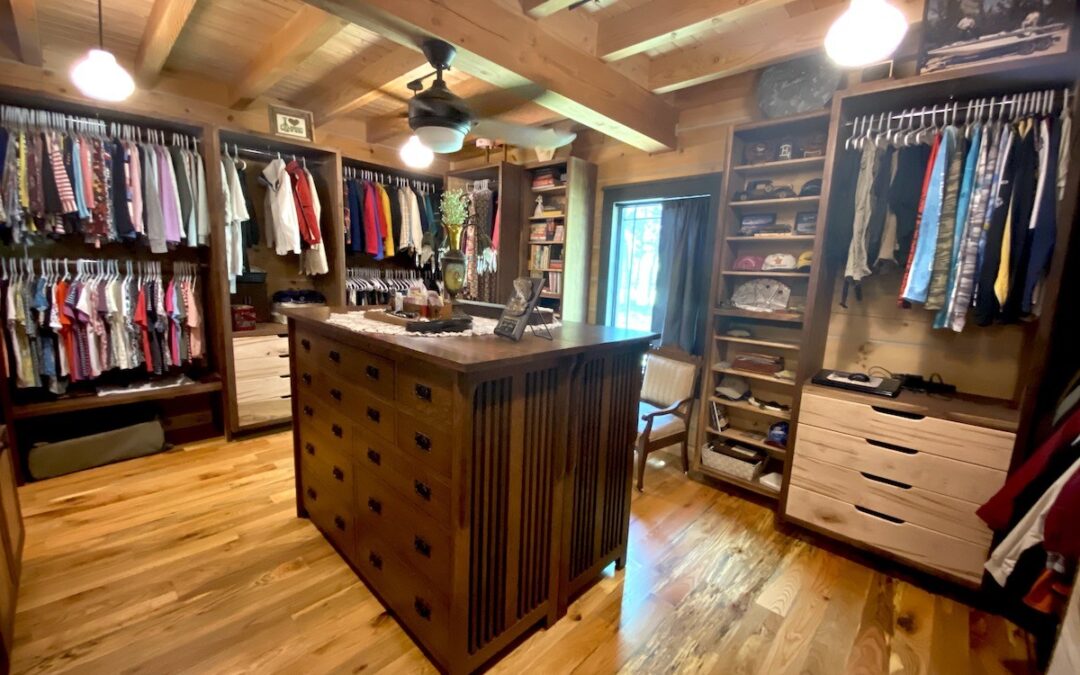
(609, 65)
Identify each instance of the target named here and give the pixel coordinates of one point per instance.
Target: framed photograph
(805, 222)
(959, 33)
(757, 219)
(519, 308)
(292, 123)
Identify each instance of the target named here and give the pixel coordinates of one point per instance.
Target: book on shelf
(555, 264)
(559, 234)
(539, 231)
(541, 257)
(554, 283)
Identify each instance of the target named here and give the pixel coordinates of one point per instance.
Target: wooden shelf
(819, 116)
(549, 242)
(782, 165)
(263, 330)
(762, 273)
(743, 405)
(751, 485)
(770, 240)
(786, 201)
(551, 296)
(754, 376)
(552, 188)
(747, 438)
(545, 269)
(555, 215)
(785, 317)
(775, 344)
(90, 402)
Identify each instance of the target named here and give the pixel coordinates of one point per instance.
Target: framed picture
(959, 33)
(519, 308)
(292, 123)
(806, 222)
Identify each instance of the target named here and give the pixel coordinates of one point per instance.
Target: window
(637, 259)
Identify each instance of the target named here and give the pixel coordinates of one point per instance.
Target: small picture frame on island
(519, 307)
(292, 123)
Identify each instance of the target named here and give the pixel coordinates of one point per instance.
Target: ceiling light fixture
(868, 32)
(415, 154)
(98, 75)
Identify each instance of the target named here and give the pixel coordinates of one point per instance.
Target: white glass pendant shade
(868, 32)
(415, 154)
(99, 76)
(441, 139)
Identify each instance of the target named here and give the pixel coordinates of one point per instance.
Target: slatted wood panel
(585, 445)
(621, 433)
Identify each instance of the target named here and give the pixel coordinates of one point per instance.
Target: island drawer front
(367, 411)
(376, 373)
(316, 416)
(332, 513)
(933, 511)
(409, 595)
(968, 482)
(385, 516)
(425, 442)
(416, 482)
(329, 462)
(954, 440)
(425, 391)
(959, 558)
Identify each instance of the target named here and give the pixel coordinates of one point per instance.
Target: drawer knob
(312, 494)
(335, 356)
(422, 608)
(375, 559)
(422, 441)
(335, 394)
(310, 448)
(306, 344)
(423, 392)
(339, 474)
(337, 430)
(372, 372)
(339, 522)
(423, 490)
(306, 377)
(373, 415)
(374, 505)
(309, 411)
(422, 547)
(374, 457)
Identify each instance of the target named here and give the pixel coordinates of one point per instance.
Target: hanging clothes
(282, 229)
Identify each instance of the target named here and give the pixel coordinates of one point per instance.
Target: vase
(453, 263)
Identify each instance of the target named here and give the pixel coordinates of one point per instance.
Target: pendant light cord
(100, 27)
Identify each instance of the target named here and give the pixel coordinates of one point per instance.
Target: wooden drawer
(375, 373)
(969, 482)
(425, 442)
(916, 505)
(263, 411)
(251, 352)
(425, 391)
(329, 462)
(263, 388)
(954, 440)
(317, 417)
(368, 412)
(425, 613)
(959, 558)
(385, 516)
(417, 483)
(331, 513)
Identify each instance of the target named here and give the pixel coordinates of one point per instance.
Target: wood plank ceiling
(607, 64)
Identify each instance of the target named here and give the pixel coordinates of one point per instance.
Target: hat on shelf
(749, 263)
(811, 188)
(761, 295)
(733, 387)
(777, 435)
(737, 332)
(806, 260)
(778, 261)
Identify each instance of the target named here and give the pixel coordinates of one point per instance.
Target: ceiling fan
(441, 119)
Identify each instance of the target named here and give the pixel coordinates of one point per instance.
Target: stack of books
(545, 178)
(554, 283)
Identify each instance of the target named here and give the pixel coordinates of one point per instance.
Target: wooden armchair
(667, 399)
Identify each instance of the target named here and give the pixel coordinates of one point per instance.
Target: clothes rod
(1036, 102)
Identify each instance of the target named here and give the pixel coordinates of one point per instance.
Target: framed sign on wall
(292, 123)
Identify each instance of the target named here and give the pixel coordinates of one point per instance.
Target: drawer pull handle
(283, 356)
(306, 344)
(886, 481)
(878, 514)
(339, 522)
(337, 430)
(372, 372)
(306, 377)
(374, 457)
(890, 446)
(374, 505)
(309, 411)
(423, 490)
(422, 608)
(897, 413)
(423, 392)
(310, 448)
(335, 394)
(339, 474)
(375, 559)
(335, 356)
(422, 547)
(422, 441)
(373, 415)
(312, 494)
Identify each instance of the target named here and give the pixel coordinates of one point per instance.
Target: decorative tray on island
(415, 323)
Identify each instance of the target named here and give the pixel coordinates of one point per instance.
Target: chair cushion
(667, 381)
(663, 425)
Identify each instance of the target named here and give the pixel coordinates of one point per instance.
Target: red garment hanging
(305, 209)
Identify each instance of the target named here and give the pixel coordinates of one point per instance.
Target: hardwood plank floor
(193, 562)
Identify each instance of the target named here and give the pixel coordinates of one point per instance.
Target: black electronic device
(868, 384)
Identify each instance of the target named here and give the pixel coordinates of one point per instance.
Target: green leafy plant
(455, 207)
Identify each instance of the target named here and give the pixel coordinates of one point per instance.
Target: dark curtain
(682, 282)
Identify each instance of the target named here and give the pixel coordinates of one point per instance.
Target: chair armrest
(673, 409)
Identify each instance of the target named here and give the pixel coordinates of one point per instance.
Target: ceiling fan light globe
(98, 76)
(441, 139)
(415, 154)
(868, 32)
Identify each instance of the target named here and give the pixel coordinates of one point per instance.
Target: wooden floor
(194, 562)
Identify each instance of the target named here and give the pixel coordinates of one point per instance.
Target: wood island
(475, 484)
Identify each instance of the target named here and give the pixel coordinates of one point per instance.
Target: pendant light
(868, 32)
(98, 75)
(415, 154)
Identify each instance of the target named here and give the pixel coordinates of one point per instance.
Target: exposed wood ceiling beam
(24, 16)
(368, 79)
(505, 48)
(658, 22)
(167, 19)
(301, 35)
(759, 41)
(542, 8)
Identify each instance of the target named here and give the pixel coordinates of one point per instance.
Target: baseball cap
(811, 188)
(733, 387)
(749, 263)
(778, 434)
(779, 261)
(806, 260)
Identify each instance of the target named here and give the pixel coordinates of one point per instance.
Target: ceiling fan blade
(522, 136)
(500, 101)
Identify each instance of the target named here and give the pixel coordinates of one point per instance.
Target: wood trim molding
(167, 19)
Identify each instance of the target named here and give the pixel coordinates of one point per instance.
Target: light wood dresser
(261, 372)
(901, 476)
(474, 484)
